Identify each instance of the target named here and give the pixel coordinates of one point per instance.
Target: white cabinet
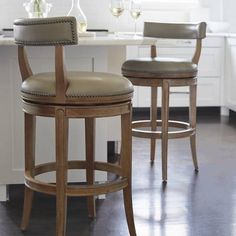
(211, 71)
(230, 94)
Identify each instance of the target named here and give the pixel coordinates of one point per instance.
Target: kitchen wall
(229, 13)
(98, 14)
(215, 8)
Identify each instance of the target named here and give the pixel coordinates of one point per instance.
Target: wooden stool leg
(126, 163)
(90, 145)
(165, 118)
(30, 128)
(192, 121)
(153, 118)
(61, 171)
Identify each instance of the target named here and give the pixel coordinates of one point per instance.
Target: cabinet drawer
(216, 42)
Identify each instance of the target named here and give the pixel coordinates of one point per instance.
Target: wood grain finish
(166, 80)
(24, 63)
(61, 82)
(62, 109)
(153, 118)
(90, 149)
(192, 121)
(185, 129)
(30, 130)
(126, 164)
(164, 128)
(61, 124)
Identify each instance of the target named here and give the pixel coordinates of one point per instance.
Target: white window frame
(170, 4)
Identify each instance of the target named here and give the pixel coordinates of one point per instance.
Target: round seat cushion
(81, 84)
(159, 68)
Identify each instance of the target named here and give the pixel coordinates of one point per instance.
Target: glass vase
(37, 8)
(77, 12)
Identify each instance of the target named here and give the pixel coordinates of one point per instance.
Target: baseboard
(144, 112)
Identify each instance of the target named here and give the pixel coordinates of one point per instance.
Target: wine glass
(135, 12)
(116, 8)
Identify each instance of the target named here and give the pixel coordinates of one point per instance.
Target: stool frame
(63, 108)
(165, 81)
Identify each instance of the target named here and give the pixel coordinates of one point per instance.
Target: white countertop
(122, 39)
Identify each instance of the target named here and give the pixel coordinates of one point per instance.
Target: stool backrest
(53, 31)
(176, 31)
(45, 31)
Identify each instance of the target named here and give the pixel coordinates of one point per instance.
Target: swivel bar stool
(65, 95)
(161, 72)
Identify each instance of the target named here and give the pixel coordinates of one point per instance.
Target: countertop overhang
(124, 39)
(109, 40)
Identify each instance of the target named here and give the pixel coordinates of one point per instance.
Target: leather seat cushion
(159, 68)
(81, 84)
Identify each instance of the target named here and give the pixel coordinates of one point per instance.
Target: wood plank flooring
(191, 204)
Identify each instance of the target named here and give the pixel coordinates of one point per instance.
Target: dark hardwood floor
(191, 204)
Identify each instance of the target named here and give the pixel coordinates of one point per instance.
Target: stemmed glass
(116, 8)
(135, 12)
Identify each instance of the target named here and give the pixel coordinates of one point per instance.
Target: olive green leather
(81, 84)
(174, 30)
(46, 31)
(159, 68)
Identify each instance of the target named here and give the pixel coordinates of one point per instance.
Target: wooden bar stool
(65, 95)
(161, 72)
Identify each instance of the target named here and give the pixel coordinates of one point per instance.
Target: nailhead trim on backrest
(51, 21)
(175, 30)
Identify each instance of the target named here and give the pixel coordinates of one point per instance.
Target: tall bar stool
(65, 95)
(161, 72)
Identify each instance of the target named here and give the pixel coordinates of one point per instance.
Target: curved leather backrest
(46, 31)
(175, 30)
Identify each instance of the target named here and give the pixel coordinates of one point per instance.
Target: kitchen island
(100, 54)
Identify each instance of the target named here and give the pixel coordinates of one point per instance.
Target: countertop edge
(97, 41)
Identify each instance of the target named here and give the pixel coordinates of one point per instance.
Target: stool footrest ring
(80, 189)
(185, 129)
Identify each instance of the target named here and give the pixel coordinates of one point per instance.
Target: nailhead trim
(36, 93)
(54, 20)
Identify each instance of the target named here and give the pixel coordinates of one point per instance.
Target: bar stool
(161, 72)
(65, 95)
